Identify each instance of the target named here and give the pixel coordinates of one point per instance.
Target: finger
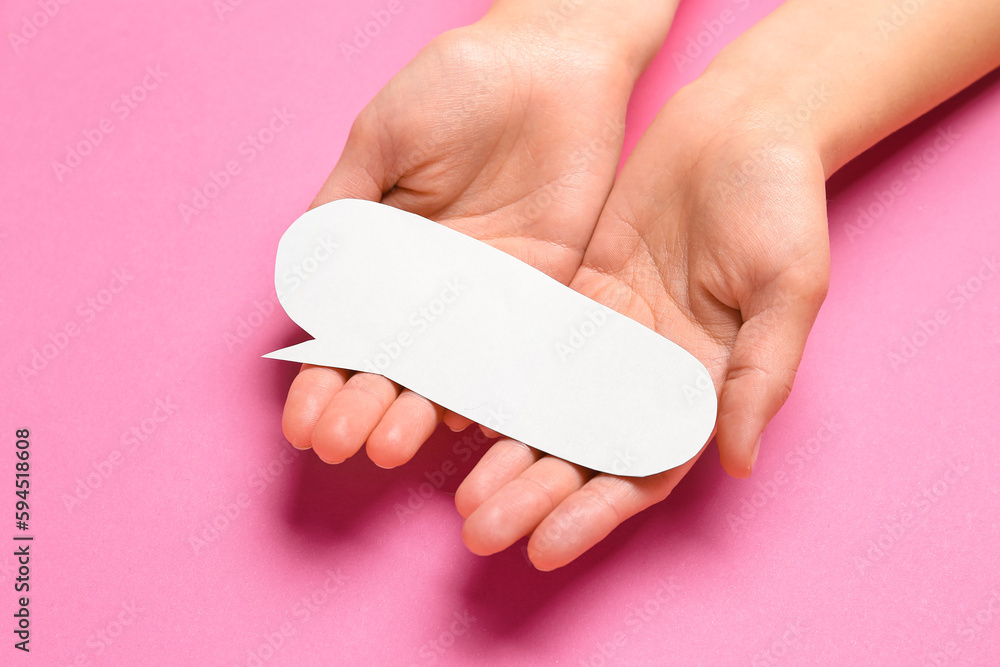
(311, 391)
(455, 421)
(361, 172)
(517, 508)
(488, 432)
(406, 425)
(763, 364)
(504, 462)
(352, 415)
(588, 515)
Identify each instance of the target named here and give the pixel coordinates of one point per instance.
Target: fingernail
(755, 452)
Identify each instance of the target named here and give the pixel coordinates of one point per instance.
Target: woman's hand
(715, 235)
(510, 131)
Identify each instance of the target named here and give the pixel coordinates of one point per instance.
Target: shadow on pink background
(174, 525)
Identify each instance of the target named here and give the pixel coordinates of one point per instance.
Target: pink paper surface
(868, 534)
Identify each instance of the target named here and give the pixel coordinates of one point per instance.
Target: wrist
(794, 110)
(730, 102)
(831, 76)
(619, 33)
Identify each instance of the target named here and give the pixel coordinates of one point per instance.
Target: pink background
(868, 535)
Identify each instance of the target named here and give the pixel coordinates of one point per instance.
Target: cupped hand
(715, 235)
(499, 132)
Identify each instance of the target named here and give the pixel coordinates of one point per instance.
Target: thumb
(361, 172)
(763, 363)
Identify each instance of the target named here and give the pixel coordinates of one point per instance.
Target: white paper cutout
(491, 338)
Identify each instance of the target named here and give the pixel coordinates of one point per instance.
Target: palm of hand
(719, 243)
(498, 137)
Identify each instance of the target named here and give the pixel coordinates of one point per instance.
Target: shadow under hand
(506, 592)
(337, 502)
(862, 165)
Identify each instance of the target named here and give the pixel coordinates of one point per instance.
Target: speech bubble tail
(315, 352)
(303, 353)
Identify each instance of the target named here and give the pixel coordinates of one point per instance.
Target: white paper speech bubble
(490, 338)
